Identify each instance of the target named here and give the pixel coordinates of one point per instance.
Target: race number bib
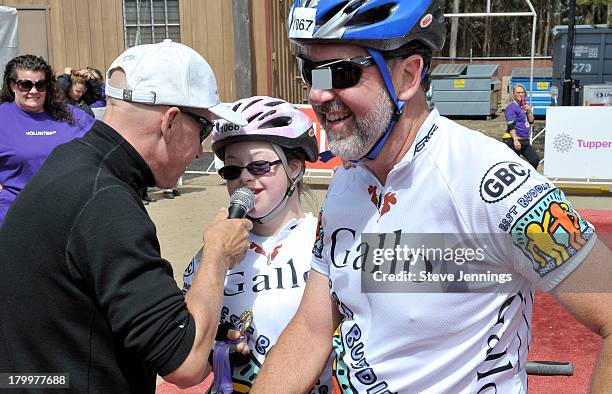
(302, 22)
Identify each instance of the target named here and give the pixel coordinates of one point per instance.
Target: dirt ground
(496, 126)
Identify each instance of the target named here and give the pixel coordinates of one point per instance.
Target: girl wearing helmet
(263, 292)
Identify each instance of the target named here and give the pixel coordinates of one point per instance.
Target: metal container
(466, 89)
(592, 63)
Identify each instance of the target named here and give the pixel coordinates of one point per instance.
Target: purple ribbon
(221, 365)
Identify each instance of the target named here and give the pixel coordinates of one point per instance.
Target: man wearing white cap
(84, 289)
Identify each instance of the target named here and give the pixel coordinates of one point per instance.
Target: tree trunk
(464, 48)
(547, 31)
(486, 47)
(540, 32)
(454, 30)
(588, 14)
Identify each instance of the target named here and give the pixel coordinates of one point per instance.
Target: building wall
(85, 33)
(81, 32)
(206, 26)
(274, 67)
(261, 51)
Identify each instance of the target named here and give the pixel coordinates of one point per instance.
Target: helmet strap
(399, 104)
(292, 186)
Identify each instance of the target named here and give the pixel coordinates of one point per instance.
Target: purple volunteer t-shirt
(26, 139)
(514, 112)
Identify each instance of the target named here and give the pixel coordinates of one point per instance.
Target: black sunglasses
(206, 125)
(345, 73)
(259, 167)
(25, 85)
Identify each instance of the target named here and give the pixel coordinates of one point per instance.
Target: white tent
(8, 36)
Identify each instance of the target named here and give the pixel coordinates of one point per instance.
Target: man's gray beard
(355, 144)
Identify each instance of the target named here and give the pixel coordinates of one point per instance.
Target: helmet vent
(251, 103)
(281, 121)
(331, 13)
(266, 115)
(274, 103)
(354, 6)
(252, 118)
(372, 16)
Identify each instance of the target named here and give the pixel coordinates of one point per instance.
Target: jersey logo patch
(550, 232)
(501, 180)
(382, 203)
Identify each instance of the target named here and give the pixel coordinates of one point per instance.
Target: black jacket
(83, 287)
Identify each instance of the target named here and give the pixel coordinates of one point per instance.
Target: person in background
(519, 120)
(94, 96)
(34, 121)
(74, 94)
(268, 157)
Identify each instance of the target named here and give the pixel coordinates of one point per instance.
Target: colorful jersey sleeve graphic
(550, 232)
(546, 232)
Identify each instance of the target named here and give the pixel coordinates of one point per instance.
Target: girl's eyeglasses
(258, 167)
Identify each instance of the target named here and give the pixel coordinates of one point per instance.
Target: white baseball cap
(169, 73)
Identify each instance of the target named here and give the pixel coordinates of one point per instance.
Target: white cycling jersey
(270, 282)
(452, 180)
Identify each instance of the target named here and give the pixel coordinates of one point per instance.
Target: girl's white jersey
(270, 282)
(397, 337)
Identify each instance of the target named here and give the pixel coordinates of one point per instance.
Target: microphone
(241, 202)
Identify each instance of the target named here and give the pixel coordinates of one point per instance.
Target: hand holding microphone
(228, 233)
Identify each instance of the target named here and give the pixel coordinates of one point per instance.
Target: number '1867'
(301, 24)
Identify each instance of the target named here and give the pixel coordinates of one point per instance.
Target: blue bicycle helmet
(381, 26)
(384, 25)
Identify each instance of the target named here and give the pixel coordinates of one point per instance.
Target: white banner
(578, 142)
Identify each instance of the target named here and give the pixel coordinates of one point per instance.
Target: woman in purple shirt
(519, 120)
(33, 121)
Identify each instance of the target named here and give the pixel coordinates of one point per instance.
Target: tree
(511, 36)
